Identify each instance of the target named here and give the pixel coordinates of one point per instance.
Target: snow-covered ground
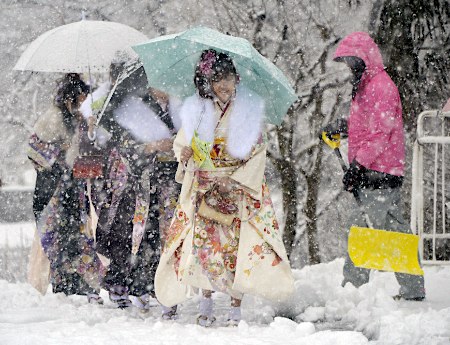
(320, 312)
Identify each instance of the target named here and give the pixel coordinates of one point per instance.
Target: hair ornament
(206, 63)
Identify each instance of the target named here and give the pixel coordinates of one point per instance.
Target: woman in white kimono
(247, 256)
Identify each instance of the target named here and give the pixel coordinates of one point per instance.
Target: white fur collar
(142, 122)
(245, 122)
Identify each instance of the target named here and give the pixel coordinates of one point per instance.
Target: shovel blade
(384, 250)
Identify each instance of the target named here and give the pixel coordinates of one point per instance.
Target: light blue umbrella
(169, 62)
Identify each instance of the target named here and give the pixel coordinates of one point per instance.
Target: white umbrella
(84, 46)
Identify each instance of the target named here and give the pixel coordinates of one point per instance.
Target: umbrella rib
(184, 58)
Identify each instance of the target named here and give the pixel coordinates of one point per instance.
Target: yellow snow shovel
(384, 250)
(378, 249)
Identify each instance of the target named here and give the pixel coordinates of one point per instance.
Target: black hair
(212, 67)
(69, 88)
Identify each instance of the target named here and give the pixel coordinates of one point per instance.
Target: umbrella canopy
(84, 46)
(169, 62)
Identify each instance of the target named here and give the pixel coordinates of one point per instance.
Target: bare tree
(414, 37)
(297, 155)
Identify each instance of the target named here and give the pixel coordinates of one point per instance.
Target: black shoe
(400, 297)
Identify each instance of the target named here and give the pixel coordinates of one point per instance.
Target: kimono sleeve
(50, 128)
(251, 174)
(178, 144)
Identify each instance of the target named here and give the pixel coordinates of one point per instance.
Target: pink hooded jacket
(375, 124)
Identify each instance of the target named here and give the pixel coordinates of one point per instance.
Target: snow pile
(320, 312)
(319, 298)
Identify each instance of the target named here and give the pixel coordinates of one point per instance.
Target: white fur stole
(245, 121)
(142, 122)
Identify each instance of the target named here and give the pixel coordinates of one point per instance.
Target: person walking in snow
(59, 201)
(141, 192)
(224, 235)
(376, 151)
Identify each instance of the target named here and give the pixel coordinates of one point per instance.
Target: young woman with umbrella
(60, 200)
(224, 236)
(140, 191)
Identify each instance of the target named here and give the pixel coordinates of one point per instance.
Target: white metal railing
(434, 244)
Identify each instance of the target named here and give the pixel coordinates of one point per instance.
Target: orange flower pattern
(215, 248)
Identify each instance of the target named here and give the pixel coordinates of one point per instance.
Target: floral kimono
(248, 256)
(62, 217)
(140, 198)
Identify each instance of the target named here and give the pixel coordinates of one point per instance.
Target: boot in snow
(119, 295)
(206, 318)
(234, 316)
(94, 298)
(142, 302)
(169, 313)
(402, 297)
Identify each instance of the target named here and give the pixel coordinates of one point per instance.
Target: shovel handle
(354, 190)
(344, 169)
(334, 142)
(341, 160)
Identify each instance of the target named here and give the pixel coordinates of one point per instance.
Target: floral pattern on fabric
(220, 156)
(43, 155)
(215, 248)
(179, 221)
(168, 206)
(262, 214)
(75, 267)
(115, 185)
(203, 254)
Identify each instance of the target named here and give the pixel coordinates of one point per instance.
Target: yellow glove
(334, 142)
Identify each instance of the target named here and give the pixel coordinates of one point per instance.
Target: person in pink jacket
(376, 150)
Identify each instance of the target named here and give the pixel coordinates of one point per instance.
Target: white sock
(206, 306)
(234, 314)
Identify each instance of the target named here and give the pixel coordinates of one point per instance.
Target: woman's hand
(186, 154)
(92, 124)
(164, 145)
(224, 184)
